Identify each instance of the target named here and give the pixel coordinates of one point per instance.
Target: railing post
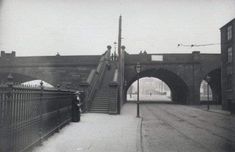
(10, 103)
(58, 119)
(6, 144)
(41, 112)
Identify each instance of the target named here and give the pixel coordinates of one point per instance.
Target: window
(229, 81)
(229, 102)
(229, 70)
(230, 55)
(229, 32)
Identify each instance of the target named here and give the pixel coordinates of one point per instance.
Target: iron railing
(28, 115)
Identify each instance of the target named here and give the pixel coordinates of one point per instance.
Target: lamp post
(138, 69)
(208, 97)
(115, 46)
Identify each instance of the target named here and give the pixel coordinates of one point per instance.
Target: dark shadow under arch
(179, 89)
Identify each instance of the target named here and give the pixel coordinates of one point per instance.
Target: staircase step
(99, 108)
(100, 103)
(106, 104)
(101, 99)
(104, 100)
(95, 104)
(98, 111)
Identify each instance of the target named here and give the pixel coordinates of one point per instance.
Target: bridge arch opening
(205, 92)
(37, 83)
(214, 84)
(177, 86)
(150, 89)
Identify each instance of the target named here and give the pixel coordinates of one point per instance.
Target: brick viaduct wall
(66, 71)
(183, 73)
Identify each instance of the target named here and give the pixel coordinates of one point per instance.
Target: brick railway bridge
(28, 115)
(105, 80)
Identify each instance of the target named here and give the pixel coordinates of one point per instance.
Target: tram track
(162, 113)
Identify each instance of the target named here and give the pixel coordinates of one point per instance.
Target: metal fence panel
(28, 115)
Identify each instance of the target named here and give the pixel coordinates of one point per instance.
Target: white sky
(76, 27)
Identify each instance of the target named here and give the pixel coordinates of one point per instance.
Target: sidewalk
(98, 133)
(213, 108)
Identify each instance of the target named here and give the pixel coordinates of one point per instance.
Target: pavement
(213, 108)
(98, 133)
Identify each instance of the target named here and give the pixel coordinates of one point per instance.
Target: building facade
(228, 65)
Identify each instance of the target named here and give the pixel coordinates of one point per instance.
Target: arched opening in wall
(150, 89)
(205, 92)
(37, 83)
(212, 81)
(177, 86)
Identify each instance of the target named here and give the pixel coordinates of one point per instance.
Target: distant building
(8, 55)
(228, 65)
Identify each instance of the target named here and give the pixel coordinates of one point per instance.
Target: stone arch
(215, 83)
(178, 87)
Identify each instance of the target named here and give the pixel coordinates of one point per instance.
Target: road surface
(149, 97)
(178, 128)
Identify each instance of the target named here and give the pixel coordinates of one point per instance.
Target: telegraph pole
(119, 36)
(120, 61)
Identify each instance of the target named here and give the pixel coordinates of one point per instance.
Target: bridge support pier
(194, 95)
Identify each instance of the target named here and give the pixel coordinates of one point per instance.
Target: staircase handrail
(115, 78)
(95, 78)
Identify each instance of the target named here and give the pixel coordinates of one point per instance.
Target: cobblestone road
(177, 128)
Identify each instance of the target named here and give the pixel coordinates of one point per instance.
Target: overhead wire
(197, 45)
